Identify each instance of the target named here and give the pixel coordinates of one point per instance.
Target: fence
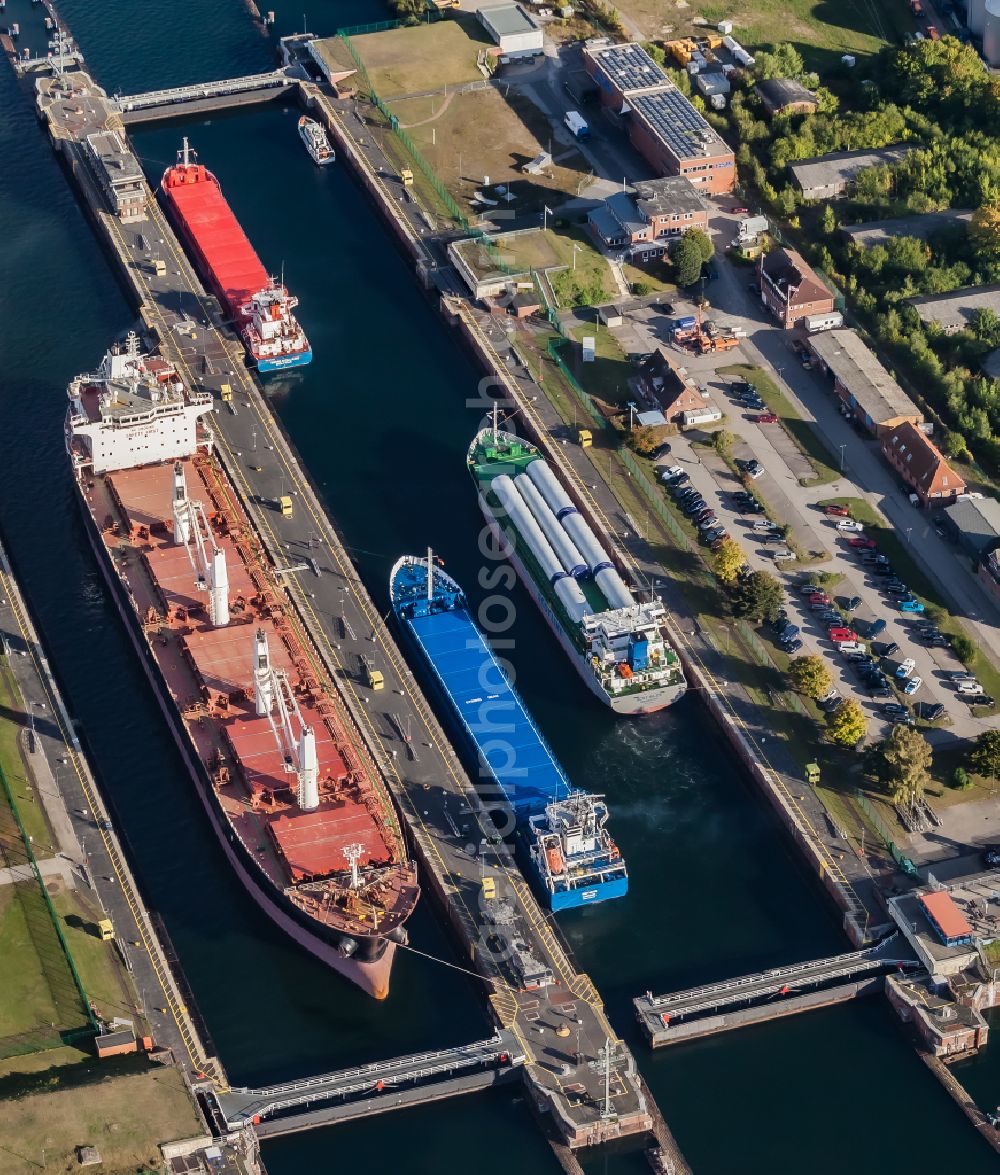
(410, 147)
(32, 904)
(902, 861)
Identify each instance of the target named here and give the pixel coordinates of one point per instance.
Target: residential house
(668, 385)
(790, 288)
(921, 465)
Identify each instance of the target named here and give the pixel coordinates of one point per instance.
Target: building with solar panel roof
(663, 125)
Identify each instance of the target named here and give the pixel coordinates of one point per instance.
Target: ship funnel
(308, 771)
(218, 599)
(182, 514)
(263, 687)
(185, 152)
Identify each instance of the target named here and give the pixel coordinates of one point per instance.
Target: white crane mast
(208, 559)
(274, 692)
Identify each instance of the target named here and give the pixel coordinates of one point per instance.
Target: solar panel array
(630, 67)
(673, 119)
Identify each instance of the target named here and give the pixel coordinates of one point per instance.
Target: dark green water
(381, 420)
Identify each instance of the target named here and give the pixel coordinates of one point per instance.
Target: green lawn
(422, 57)
(903, 559)
(820, 31)
(607, 377)
(801, 431)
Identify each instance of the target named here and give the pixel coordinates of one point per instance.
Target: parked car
(905, 668)
(897, 593)
(911, 606)
(895, 710)
(830, 618)
(767, 418)
(661, 450)
(849, 524)
(831, 702)
(876, 628)
(883, 691)
(818, 605)
(841, 633)
(784, 555)
(851, 603)
(980, 700)
(693, 505)
(672, 473)
(862, 543)
(929, 711)
(793, 646)
(837, 511)
(885, 650)
(913, 685)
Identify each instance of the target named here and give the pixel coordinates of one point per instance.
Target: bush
(641, 289)
(960, 780)
(965, 649)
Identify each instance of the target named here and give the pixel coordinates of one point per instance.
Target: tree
(907, 756)
(810, 676)
(847, 724)
(960, 780)
(984, 231)
(688, 256)
(964, 648)
(759, 596)
(723, 442)
(985, 757)
(728, 560)
(827, 222)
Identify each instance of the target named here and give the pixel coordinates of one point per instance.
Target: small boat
(317, 144)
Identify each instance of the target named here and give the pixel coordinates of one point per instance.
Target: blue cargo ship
(573, 858)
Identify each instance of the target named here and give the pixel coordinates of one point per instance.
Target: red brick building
(919, 462)
(790, 288)
(662, 124)
(668, 386)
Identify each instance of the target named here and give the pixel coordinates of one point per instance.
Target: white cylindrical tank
(977, 18)
(548, 486)
(574, 601)
(991, 33)
(586, 542)
(570, 558)
(524, 522)
(614, 589)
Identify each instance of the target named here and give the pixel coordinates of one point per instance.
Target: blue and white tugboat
(574, 860)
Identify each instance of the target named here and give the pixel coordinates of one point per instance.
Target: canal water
(382, 420)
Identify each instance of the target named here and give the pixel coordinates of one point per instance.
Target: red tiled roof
(921, 461)
(948, 918)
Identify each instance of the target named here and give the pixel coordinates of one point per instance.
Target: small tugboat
(317, 144)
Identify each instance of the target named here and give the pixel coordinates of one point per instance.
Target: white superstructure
(134, 410)
(316, 141)
(272, 330)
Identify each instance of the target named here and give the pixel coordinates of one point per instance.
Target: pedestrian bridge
(370, 1089)
(769, 994)
(167, 103)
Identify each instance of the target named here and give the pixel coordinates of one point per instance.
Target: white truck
(577, 124)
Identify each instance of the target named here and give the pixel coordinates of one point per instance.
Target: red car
(842, 635)
(740, 211)
(863, 544)
(766, 418)
(837, 511)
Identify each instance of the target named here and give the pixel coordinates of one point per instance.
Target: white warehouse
(513, 29)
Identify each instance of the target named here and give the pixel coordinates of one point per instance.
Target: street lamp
(842, 448)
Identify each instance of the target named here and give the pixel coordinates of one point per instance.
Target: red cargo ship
(261, 309)
(293, 793)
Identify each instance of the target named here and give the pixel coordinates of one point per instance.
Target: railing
(257, 81)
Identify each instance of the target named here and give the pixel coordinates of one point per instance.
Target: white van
(969, 687)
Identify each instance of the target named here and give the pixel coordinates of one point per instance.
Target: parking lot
(863, 584)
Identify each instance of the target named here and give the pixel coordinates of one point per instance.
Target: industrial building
(513, 29)
(656, 209)
(867, 390)
(790, 288)
(662, 124)
(922, 226)
(828, 176)
(119, 175)
(920, 463)
(974, 523)
(784, 96)
(953, 312)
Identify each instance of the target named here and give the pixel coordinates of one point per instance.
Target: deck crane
(276, 702)
(208, 559)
